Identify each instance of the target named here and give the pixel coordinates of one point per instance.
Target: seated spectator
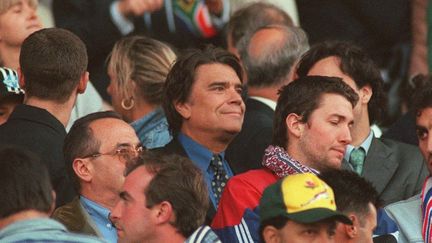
(100, 23)
(251, 17)
(28, 200)
(299, 208)
(18, 19)
(138, 68)
(205, 112)
(268, 55)
(164, 199)
(96, 151)
(52, 72)
(358, 200)
(11, 94)
(413, 216)
(310, 133)
(395, 169)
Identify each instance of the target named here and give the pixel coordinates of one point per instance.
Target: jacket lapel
(380, 165)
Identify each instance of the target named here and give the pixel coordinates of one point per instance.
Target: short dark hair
(178, 181)
(272, 66)
(254, 16)
(180, 79)
(52, 61)
(355, 63)
(80, 142)
(352, 192)
(422, 93)
(24, 182)
(302, 97)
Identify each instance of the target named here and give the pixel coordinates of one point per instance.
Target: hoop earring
(127, 107)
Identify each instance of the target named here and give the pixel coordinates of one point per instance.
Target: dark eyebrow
(218, 83)
(418, 127)
(124, 195)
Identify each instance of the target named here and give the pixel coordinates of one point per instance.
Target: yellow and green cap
(303, 198)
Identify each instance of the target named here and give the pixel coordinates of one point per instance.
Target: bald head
(251, 18)
(269, 53)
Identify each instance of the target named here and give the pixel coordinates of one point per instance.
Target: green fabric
(429, 34)
(357, 158)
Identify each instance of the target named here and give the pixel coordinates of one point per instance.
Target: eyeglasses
(123, 152)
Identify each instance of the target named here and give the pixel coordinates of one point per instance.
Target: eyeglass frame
(118, 152)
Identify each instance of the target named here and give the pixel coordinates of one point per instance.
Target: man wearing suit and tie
(268, 55)
(395, 169)
(204, 109)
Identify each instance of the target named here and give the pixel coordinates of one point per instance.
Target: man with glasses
(97, 149)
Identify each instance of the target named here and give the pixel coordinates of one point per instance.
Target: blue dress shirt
(201, 157)
(100, 216)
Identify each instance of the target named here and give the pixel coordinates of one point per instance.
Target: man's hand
(215, 7)
(138, 7)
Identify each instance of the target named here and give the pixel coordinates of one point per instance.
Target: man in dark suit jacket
(205, 111)
(268, 55)
(100, 23)
(395, 169)
(52, 72)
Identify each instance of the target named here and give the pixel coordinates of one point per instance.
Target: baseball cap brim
(316, 215)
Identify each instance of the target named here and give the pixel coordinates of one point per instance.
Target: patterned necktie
(357, 158)
(426, 207)
(220, 177)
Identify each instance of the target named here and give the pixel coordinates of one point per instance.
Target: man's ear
(184, 109)
(294, 124)
(164, 213)
(83, 169)
(352, 230)
(270, 234)
(82, 85)
(21, 80)
(53, 203)
(365, 94)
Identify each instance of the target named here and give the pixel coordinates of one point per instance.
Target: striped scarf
(278, 160)
(426, 197)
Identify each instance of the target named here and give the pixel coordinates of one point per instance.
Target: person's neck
(142, 108)
(214, 144)
(360, 130)
(61, 111)
(270, 93)
(167, 234)
(23, 215)
(9, 56)
(107, 200)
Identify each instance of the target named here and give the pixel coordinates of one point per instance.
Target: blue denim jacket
(152, 129)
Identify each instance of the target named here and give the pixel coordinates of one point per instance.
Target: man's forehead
(424, 118)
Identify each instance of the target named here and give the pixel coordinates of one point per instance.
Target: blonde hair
(144, 61)
(6, 4)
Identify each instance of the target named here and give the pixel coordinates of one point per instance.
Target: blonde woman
(138, 67)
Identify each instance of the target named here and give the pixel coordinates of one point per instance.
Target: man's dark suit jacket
(76, 218)
(396, 169)
(38, 131)
(247, 149)
(175, 147)
(91, 21)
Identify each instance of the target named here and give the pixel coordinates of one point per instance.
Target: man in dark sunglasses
(97, 149)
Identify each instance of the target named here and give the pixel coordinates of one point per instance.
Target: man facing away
(358, 200)
(97, 148)
(164, 199)
(311, 131)
(268, 56)
(28, 200)
(395, 169)
(52, 72)
(204, 110)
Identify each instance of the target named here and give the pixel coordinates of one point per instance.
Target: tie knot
(216, 161)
